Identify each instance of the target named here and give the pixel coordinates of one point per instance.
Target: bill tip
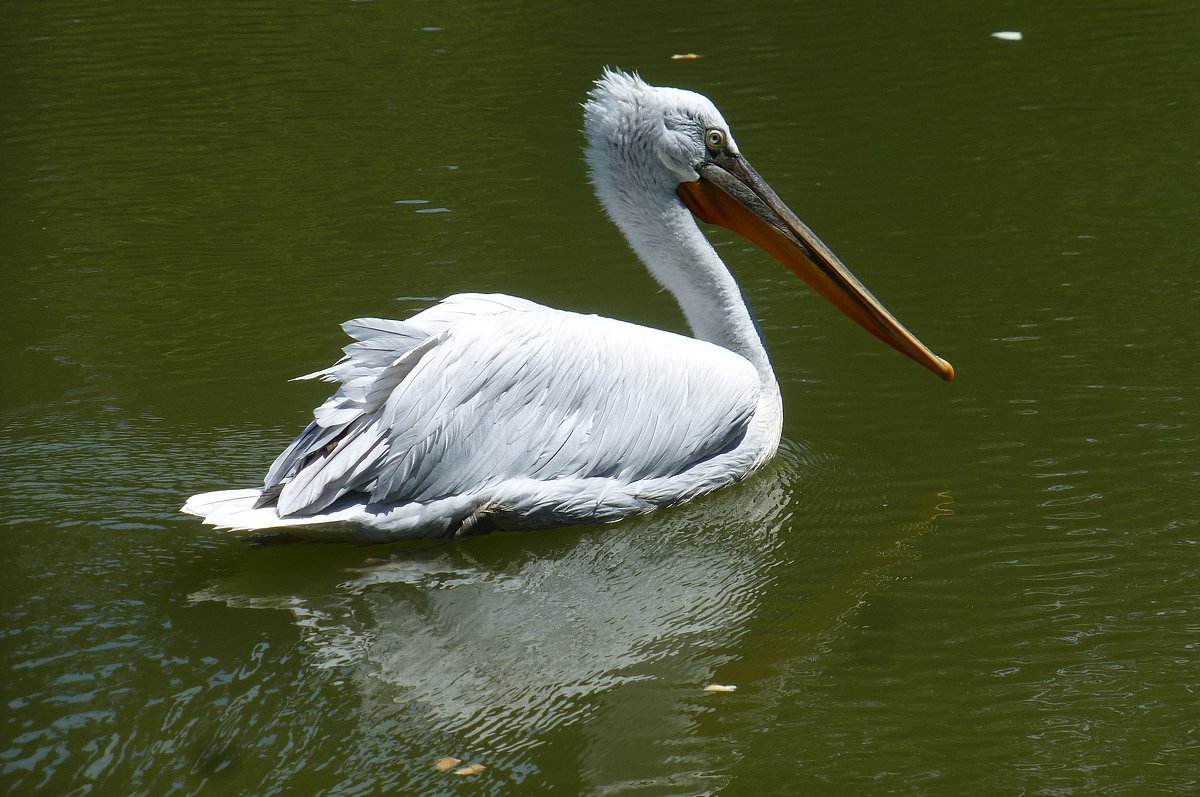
(947, 371)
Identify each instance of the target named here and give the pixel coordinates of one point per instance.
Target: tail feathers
(235, 510)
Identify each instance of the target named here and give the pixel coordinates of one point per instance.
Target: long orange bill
(731, 193)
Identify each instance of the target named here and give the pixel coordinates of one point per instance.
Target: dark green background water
(983, 587)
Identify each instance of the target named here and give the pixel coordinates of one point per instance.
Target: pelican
(492, 412)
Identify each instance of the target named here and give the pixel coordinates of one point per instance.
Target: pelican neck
(679, 256)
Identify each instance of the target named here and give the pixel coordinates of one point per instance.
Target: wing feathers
(482, 389)
(325, 480)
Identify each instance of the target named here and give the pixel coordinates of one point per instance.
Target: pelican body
(492, 412)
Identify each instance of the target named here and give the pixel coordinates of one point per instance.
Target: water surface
(983, 586)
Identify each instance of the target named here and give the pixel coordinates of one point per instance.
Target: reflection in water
(482, 650)
(489, 646)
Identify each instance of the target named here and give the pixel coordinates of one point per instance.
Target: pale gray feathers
(482, 389)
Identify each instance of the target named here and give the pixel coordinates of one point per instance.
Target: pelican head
(652, 150)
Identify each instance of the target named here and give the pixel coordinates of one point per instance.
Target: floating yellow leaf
(685, 57)
(449, 762)
(473, 769)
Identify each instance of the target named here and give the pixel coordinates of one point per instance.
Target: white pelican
(492, 412)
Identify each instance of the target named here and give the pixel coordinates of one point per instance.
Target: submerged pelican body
(492, 412)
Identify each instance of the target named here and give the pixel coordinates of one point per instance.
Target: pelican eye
(714, 139)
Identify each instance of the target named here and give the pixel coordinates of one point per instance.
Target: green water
(982, 587)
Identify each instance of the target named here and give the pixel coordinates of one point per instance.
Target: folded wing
(481, 389)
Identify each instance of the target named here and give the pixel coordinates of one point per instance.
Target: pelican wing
(481, 389)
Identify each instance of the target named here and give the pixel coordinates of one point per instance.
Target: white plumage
(488, 411)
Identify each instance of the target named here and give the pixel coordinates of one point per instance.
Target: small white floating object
(720, 688)
(1008, 35)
